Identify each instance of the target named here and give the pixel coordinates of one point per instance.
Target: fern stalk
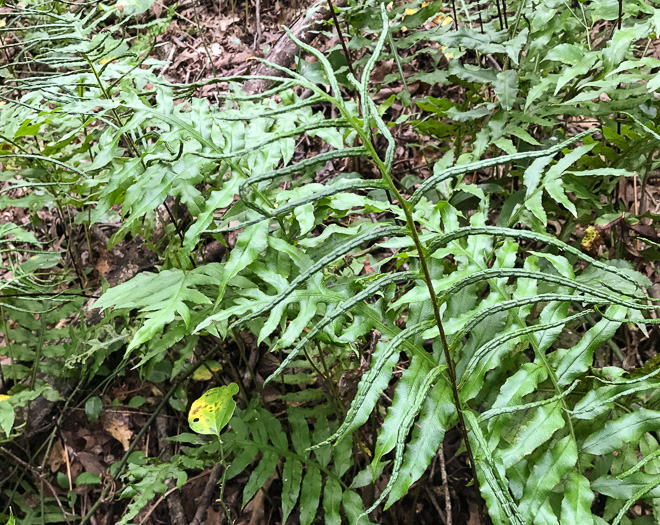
(384, 170)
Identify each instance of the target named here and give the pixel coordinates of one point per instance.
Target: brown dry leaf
(226, 21)
(367, 266)
(157, 9)
(57, 457)
(102, 266)
(91, 462)
(62, 323)
(118, 429)
(213, 517)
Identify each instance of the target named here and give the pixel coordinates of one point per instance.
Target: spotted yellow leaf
(210, 413)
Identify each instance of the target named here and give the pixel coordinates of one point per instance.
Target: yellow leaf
(448, 56)
(210, 413)
(4, 397)
(443, 21)
(204, 374)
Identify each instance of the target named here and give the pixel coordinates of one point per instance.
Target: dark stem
(241, 350)
(408, 212)
(506, 21)
(347, 53)
(499, 14)
(443, 339)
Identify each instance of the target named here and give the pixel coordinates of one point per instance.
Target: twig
(201, 35)
(169, 61)
(205, 500)
(494, 63)
(177, 515)
(445, 484)
(435, 503)
(257, 36)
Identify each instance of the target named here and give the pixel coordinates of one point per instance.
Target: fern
(161, 297)
(484, 335)
(544, 428)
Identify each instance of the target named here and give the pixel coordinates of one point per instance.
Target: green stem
(412, 227)
(221, 500)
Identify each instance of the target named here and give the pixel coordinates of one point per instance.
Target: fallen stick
(284, 51)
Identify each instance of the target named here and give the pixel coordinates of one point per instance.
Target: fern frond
(459, 233)
(447, 173)
(347, 246)
(340, 310)
(374, 382)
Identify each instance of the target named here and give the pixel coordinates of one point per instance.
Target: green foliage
(147, 478)
(514, 316)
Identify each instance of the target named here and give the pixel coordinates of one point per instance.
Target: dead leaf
(57, 457)
(257, 505)
(91, 462)
(102, 266)
(367, 266)
(118, 429)
(226, 21)
(157, 9)
(213, 517)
